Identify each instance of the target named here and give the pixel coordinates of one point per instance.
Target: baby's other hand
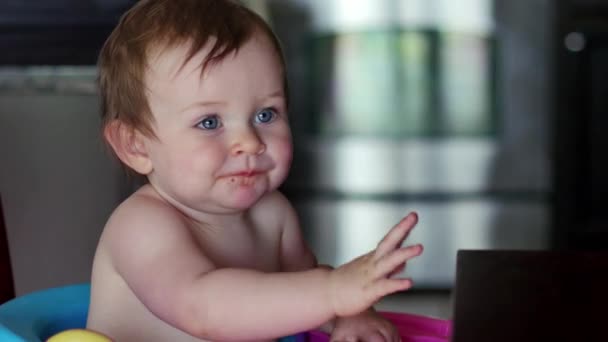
(367, 327)
(359, 284)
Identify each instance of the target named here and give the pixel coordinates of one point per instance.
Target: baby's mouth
(243, 178)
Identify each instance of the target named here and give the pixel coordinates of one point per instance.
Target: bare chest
(247, 248)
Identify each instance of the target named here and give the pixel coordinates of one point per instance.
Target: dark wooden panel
(579, 140)
(530, 296)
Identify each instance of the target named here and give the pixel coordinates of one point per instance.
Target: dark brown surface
(7, 290)
(530, 296)
(579, 120)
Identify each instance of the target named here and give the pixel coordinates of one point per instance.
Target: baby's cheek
(207, 156)
(286, 155)
(284, 148)
(283, 155)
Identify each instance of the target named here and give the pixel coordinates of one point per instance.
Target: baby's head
(177, 77)
(154, 25)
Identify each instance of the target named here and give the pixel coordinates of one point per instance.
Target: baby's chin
(245, 192)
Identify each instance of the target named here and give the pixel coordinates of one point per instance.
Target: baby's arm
(295, 253)
(161, 262)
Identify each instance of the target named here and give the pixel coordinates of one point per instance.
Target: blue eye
(210, 122)
(266, 115)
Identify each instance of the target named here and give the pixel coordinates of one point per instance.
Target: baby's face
(223, 138)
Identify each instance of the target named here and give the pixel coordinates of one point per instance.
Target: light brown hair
(162, 24)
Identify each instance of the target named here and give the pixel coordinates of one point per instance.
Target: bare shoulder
(144, 206)
(150, 245)
(273, 209)
(142, 220)
(294, 252)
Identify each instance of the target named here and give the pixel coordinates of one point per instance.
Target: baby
(194, 98)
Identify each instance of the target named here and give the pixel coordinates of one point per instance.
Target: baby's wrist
(331, 288)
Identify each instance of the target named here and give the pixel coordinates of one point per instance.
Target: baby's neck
(200, 219)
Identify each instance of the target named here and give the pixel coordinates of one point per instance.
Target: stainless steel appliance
(442, 107)
(58, 184)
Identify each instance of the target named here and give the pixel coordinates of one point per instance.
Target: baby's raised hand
(359, 284)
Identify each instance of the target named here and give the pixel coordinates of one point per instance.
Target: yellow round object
(78, 335)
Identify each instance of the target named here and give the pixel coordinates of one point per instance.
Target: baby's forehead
(166, 62)
(177, 59)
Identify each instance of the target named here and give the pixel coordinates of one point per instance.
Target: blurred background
(484, 116)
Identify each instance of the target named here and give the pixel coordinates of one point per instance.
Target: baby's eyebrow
(278, 93)
(275, 94)
(202, 104)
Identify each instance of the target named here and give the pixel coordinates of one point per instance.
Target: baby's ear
(128, 144)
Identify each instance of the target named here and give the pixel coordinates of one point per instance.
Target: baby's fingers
(395, 237)
(384, 287)
(395, 260)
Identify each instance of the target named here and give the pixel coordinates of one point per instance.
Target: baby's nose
(247, 142)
